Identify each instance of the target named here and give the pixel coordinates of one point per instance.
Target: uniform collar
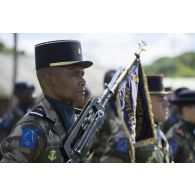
(65, 111)
(50, 113)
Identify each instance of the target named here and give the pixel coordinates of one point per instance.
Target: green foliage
(180, 66)
(4, 49)
(2, 46)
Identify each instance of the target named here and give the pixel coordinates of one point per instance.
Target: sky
(106, 51)
(112, 49)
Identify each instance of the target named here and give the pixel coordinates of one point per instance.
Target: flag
(134, 107)
(127, 101)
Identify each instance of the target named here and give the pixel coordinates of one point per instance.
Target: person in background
(174, 114)
(23, 93)
(158, 152)
(112, 144)
(182, 135)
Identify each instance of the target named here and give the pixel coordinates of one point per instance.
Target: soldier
(182, 135)
(25, 100)
(174, 114)
(39, 136)
(112, 144)
(158, 152)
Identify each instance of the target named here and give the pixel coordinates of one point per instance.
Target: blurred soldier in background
(112, 144)
(158, 152)
(174, 114)
(39, 136)
(23, 93)
(182, 135)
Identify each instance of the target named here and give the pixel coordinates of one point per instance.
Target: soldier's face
(188, 113)
(69, 84)
(159, 108)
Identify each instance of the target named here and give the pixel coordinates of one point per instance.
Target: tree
(179, 66)
(2, 46)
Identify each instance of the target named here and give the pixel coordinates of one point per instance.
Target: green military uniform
(38, 137)
(158, 151)
(182, 142)
(119, 148)
(112, 144)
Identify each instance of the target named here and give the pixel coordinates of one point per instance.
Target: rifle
(82, 133)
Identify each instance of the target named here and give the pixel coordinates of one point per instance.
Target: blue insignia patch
(122, 145)
(29, 137)
(5, 123)
(174, 146)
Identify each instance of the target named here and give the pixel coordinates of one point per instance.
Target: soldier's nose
(82, 82)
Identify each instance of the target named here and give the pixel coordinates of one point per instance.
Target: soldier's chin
(80, 96)
(164, 118)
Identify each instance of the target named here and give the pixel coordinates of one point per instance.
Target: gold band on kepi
(59, 53)
(160, 93)
(63, 63)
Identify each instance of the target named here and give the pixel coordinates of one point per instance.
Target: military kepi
(186, 97)
(155, 85)
(59, 53)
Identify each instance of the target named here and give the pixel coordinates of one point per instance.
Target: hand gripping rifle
(90, 120)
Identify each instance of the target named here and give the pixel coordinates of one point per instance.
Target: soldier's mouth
(81, 92)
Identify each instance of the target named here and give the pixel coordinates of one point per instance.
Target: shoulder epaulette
(38, 112)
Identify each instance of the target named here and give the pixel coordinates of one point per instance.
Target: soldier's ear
(51, 81)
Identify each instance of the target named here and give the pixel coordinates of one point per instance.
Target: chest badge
(52, 155)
